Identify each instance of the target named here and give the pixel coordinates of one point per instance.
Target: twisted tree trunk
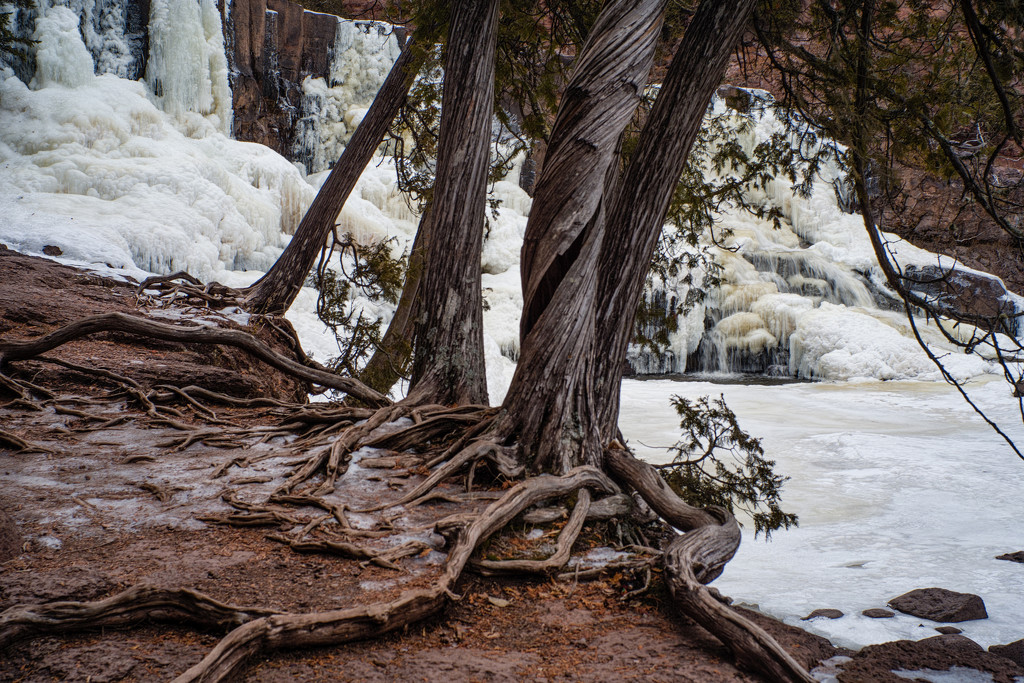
(448, 361)
(550, 403)
(644, 193)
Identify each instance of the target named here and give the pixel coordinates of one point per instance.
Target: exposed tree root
(340, 626)
(476, 451)
(697, 557)
(132, 606)
(334, 458)
(121, 322)
(20, 445)
(381, 558)
(329, 434)
(181, 285)
(570, 532)
(696, 553)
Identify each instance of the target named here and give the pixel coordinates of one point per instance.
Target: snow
(898, 485)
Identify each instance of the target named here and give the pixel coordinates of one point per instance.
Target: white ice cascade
(113, 173)
(360, 60)
(187, 69)
(113, 31)
(805, 298)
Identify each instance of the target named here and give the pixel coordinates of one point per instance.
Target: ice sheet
(898, 485)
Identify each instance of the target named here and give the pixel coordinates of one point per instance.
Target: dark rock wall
(273, 45)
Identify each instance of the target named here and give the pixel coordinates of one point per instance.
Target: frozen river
(898, 485)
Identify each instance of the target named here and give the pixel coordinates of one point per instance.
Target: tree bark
(448, 361)
(390, 361)
(277, 289)
(643, 196)
(549, 404)
(600, 99)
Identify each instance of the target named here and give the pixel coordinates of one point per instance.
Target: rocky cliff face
(286, 71)
(272, 46)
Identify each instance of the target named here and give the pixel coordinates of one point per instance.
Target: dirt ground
(116, 498)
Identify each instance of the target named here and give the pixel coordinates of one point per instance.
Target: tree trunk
(549, 404)
(599, 101)
(643, 196)
(448, 362)
(275, 291)
(390, 361)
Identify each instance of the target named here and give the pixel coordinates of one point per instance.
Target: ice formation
(804, 298)
(188, 69)
(898, 485)
(363, 53)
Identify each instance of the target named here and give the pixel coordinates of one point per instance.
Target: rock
(948, 630)
(940, 604)
(953, 642)
(1013, 651)
(878, 613)
(273, 47)
(938, 653)
(736, 98)
(961, 293)
(51, 250)
(1012, 557)
(827, 613)
(10, 539)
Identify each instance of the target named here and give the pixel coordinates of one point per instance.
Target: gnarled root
(122, 322)
(341, 626)
(136, 604)
(697, 557)
(692, 556)
(213, 294)
(566, 537)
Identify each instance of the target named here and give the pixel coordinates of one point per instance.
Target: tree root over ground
(464, 438)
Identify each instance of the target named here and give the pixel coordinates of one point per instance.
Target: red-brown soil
(98, 511)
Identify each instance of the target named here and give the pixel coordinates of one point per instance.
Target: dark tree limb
(122, 322)
(448, 361)
(275, 291)
(550, 406)
(635, 221)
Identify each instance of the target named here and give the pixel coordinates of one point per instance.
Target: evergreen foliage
(717, 463)
(367, 270)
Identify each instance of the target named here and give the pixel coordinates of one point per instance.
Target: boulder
(952, 643)
(1012, 557)
(948, 630)
(827, 613)
(962, 294)
(940, 604)
(1013, 651)
(938, 653)
(878, 613)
